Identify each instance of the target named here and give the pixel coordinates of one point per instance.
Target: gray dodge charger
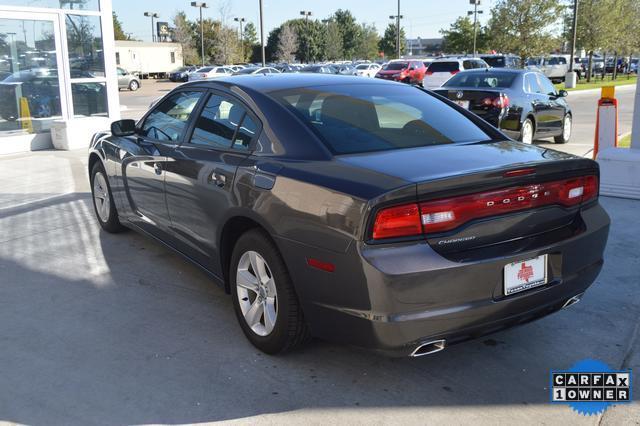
(366, 212)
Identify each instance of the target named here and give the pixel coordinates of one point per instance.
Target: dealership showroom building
(55, 85)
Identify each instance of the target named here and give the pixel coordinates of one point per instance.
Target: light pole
(201, 6)
(397, 17)
(474, 12)
(306, 14)
(152, 15)
(241, 20)
(262, 35)
(574, 30)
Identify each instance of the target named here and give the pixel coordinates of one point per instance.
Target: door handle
(157, 168)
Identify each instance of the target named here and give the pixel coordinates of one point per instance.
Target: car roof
(273, 82)
(503, 70)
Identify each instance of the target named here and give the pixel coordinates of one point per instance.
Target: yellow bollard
(25, 115)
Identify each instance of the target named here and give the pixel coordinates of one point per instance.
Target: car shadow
(103, 328)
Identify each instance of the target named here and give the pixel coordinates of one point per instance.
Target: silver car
(126, 80)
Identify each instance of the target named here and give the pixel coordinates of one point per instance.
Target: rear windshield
(205, 69)
(444, 67)
(481, 79)
(370, 117)
(362, 67)
(395, 66)
(494, 61)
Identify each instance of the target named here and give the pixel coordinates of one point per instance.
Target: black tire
(134, 85)
(290, 329)
(112, 224)
(564, 137)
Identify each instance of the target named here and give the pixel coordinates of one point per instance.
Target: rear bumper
(392, 299)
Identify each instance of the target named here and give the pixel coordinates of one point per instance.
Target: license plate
(463, 104)
(525, 274)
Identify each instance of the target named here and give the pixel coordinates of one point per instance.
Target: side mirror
(123, 128)
(563, 94)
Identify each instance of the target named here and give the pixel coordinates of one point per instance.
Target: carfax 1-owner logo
(590, 387)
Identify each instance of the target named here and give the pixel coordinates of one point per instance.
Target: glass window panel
(168, 120)
(56, 4)
(29, 87)
(84, 37)
(218, 123)
(89, 99)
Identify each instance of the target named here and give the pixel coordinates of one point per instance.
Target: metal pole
(475, 26)
(153, 36)
(242, 40)
(575, 30)
(398, 31)
(262, 36)
(201, 37)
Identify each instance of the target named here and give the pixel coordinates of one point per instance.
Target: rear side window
(444, 67)
(222, 119)
(364, 118)
(167, 121)
(495, 61)
(531, 84)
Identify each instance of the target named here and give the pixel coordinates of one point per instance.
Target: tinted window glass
(495, 61)
(467, 65)
(246, 133)
(362, 67)
(531, 84)
(546, 85)
(481, 79)
(218, 123)
(362, 118)
(443, 67)
(167, 121)
(395, 66)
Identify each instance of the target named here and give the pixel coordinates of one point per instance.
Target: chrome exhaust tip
(572, 301)
(429, 348)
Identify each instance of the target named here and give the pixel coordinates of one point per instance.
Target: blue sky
(423, 18)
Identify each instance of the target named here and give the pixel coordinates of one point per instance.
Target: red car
(411, 72)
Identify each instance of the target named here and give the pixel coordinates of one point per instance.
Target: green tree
(350, 31)
(387, 43)
(459, 37)
(251, 42)
(333, 47)
(524, 26)
(118, 32)
(185, 33)
(367, 47)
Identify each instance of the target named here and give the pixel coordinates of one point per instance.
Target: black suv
(502, 61)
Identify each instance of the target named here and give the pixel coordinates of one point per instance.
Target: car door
(123, 79)
(539, 102)
(200, 180)
(556, 105)
(143, 165)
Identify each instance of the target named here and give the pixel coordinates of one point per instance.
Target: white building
(57, 70)
(146, 59)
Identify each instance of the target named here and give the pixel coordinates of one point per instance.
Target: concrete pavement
(116, 329)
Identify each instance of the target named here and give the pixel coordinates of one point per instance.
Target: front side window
(364, 118)
(169, 119)
(546, 85)
(222, 119)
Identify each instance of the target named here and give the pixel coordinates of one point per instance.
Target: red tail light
(447, 214)
(500, 102)
(455, 72)
(398, 221)
(428, 73)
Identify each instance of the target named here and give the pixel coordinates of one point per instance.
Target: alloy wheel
(566, 129)
(527, 133)
(256, 292)
(101, 196)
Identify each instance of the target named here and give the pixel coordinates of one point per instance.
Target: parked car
(411, 72)
(346, 69)
(367, 70)
(633, 65)
(236, 68)
(383, 216)
(210, 72)
(126, 80)
(318, 69)
(523, 104)
(287, 68)
(257, 70)
(502, 61)
(441, 70)
(39, 86)
(555, 67)
(181, 74)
